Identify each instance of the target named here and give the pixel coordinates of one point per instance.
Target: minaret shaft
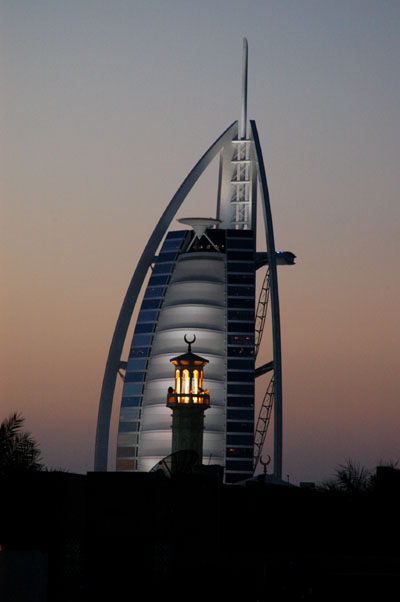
(188, 429)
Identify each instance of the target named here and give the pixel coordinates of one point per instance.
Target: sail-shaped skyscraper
(203, 282)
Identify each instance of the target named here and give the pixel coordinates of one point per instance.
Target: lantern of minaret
(188, 401)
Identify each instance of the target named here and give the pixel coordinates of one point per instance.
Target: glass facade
(135, 377)
(207, 290)
(240, 249)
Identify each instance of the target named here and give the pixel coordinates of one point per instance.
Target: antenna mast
(243, 114)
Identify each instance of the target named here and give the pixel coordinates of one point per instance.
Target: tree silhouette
(18, 450)
(350, 477)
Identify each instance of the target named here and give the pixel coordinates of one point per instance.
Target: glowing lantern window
(195, 381)
(188, 379)
(186, 382)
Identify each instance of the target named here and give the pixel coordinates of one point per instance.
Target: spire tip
(243, 114)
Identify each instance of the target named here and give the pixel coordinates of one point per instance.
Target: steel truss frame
(263, 421)
(261, 313)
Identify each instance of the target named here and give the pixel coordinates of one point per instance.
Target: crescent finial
(189, 342)
(265, 463)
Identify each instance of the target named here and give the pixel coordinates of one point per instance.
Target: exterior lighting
(188, 401)
(188, 380)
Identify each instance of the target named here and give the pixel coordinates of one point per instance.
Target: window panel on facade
(138, 352)
(232, 233)
(162, 268)
(241, 315)
(128, 427)
(151, 303)
(167, 256)
(147, 316)
(240, 351)
(245, 266)
(154, 291)
(125, 464)
(239, 465)
(245, 254)
(144, 328)
(240, 339)
(246, 243)
(137, 364)
(241, 364)
(233, 440)
(242, 279)
(234, 477)
(247, 389)
(140, 340)
(128, 402)
(239, 452)
(127, 439)
(126, 452)
(240, 414)
(176, 234)
(240, 401)
(241, 376)
(129, 414)
(132, 389)
(240, 327)
(241, 291)
(134, 377)
(172, 243)
(239, 427)
(158, 280)
(237, 302)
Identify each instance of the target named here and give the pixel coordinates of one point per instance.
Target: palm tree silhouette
(18, 450)
(350, 477)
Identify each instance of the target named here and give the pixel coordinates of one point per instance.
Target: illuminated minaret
(188, 401)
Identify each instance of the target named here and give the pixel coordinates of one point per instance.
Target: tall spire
(237, 187)
(243, 115)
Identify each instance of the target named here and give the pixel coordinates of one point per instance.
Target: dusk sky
(107, 105)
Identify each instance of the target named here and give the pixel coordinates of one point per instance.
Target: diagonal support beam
(264, 369)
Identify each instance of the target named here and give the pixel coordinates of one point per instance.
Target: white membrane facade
(194, 302)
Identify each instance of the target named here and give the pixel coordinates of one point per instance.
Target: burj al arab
(199, 277)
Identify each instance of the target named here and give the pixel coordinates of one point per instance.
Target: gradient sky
(106, 106)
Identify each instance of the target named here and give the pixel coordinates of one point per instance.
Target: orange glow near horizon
(100, 136)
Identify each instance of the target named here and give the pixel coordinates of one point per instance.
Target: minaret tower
(188, 402)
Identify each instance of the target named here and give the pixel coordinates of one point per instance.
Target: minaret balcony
(188, 399)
